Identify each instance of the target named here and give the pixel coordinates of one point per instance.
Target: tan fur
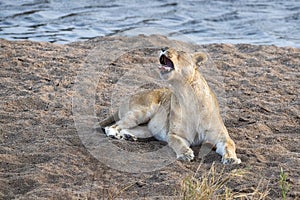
(185, 114)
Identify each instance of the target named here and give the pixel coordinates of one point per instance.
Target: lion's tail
(108, 121)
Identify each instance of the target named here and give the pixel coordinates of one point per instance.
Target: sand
(53, 96)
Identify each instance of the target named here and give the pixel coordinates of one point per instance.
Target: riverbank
(42, 153)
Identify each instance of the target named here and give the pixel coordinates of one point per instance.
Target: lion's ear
(199, 58)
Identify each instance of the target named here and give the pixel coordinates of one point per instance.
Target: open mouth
(166, 64)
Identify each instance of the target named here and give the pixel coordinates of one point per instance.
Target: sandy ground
(52, 97)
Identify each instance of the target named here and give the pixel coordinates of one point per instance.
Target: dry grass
(212, 185)
(114, 193)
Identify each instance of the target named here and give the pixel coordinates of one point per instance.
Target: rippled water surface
(207, 21)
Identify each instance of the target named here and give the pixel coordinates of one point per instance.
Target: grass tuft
(213, 185)
(284, 185)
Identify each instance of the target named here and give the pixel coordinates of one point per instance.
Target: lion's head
(178, 64)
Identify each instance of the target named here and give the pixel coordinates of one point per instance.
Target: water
(207, 21)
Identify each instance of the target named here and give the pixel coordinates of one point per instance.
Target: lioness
(184, 115)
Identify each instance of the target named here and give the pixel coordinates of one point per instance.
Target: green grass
(284, 185)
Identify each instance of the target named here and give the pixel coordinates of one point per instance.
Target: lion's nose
(164, 49)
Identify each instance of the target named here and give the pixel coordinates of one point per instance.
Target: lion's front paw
(188, 155)
(231, 160)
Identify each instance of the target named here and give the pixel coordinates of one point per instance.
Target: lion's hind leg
(133, 134)
(139, 132)
(128, 126)
(117, 133)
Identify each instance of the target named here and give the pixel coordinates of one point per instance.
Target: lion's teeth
(168, 68)
(165, 68)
